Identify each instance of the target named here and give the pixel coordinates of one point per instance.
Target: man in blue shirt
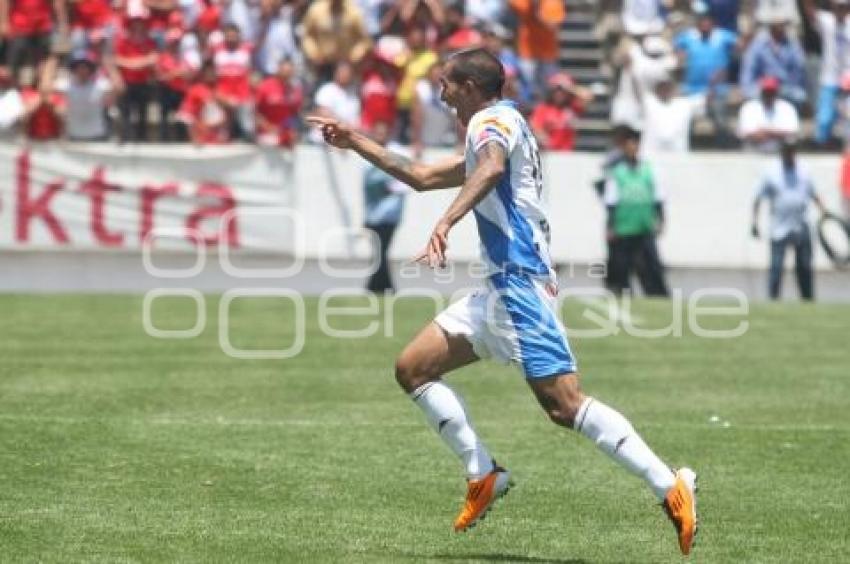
(774, 53)
(789, 188)
(384, 202)
(706, 52)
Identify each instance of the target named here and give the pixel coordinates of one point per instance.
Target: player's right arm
(447, 173)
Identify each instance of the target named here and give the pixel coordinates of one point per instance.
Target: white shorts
(515, 319)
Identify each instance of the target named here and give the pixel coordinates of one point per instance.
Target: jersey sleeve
(498, 128)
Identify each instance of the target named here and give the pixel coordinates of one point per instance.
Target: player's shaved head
(480, 67)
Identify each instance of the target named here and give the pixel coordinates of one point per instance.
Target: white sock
(615, 436)
(447, 416)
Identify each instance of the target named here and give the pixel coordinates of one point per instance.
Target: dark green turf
(115, 446)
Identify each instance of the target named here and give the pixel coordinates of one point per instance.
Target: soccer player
(514, 317)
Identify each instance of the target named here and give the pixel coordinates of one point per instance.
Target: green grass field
(115, 446)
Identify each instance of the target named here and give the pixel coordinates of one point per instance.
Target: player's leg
(565, 404)
(444, 345)
(419, 369)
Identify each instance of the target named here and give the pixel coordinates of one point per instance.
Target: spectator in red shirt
(44, 111)
(159, 14)
(135, 55)
(378, 91)
(232, 59)
(27, 24)
(459, 33)
(173, 73)
(202, 112)
(279, 99)
(92, 23)
(209, 20)
(553, 121)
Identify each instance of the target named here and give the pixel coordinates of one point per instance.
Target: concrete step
(585, 76)
(594, 143)
(582, 54)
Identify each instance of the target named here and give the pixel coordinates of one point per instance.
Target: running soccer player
(514, 318)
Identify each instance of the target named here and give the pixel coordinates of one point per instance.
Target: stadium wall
(91, 208)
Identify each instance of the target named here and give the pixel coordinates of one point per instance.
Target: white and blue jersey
(515, 318)
(511, 222)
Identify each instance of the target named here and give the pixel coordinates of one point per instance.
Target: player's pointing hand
(434, 254)
(334, 132)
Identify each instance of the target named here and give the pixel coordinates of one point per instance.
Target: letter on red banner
(97, 188)
(225, 210)
(150, 194)
(27, 208)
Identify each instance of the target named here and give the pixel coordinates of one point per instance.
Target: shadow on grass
(493, 557)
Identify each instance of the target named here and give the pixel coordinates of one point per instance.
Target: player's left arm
(492, 159)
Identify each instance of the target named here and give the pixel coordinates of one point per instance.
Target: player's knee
(561, 416)
(407, 373)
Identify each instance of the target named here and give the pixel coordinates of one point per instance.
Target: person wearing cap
(498, 40)
(458, 32)
(88, 96)
(833, 25)
(774, 52)
(643, 17)
(706, 52)
(766, 121)
(643, 64)
(553, 120)
(789, 188)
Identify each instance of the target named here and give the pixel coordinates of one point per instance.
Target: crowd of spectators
(213, 71)
(756, 69)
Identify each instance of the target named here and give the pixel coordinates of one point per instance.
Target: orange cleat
(480, 497)
(681, 507)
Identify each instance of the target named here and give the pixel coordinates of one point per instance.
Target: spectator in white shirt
(11, 105)
(338, 99)
(643, 17)
(667, 119)
(88, 94)
(765, 122)
(644, 65)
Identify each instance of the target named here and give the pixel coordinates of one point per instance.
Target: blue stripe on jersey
(543, 347)
(520, 252)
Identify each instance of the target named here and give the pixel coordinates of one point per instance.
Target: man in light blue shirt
(774, 53)
(384, 202)
(789, 188)
(706, 52)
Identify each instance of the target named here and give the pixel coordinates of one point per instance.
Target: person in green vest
(635, 217)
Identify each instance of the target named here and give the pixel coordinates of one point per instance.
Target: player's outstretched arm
(447, 173)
